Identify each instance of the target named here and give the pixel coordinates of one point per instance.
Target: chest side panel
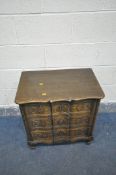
(39, 122)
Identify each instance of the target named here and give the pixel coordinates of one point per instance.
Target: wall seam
(57, 13)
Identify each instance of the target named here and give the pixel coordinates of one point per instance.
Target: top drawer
(37, 108)
(81, 106)
(72, 107)
(60, 107)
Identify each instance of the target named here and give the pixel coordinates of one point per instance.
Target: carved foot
(31, 145)
(88, 142)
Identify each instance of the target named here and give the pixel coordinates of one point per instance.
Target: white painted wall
(55, 34)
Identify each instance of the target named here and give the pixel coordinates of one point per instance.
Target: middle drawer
(40, 122)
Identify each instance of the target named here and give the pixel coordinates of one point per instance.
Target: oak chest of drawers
(58, 106)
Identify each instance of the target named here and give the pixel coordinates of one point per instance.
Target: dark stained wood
(59, 106)
(58, 85)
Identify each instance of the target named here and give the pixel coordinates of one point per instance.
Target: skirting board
(14, 110)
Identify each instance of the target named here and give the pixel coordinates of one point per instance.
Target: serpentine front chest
(58, 106)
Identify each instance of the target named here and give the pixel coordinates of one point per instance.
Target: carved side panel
(39, 121)
(80, 119)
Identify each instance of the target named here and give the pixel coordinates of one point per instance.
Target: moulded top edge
(55, 100)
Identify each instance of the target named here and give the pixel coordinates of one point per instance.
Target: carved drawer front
(81, 120)
(60, 121)
(61, 135)
(41, 136)
(78, 133)
(81, 106)
(37, 108)
(60, 107)
(40, 122)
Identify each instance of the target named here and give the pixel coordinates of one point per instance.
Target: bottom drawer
(78, 133)
(41, 136)
(61, 135)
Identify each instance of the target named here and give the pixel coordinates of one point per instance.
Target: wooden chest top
(58, 85)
